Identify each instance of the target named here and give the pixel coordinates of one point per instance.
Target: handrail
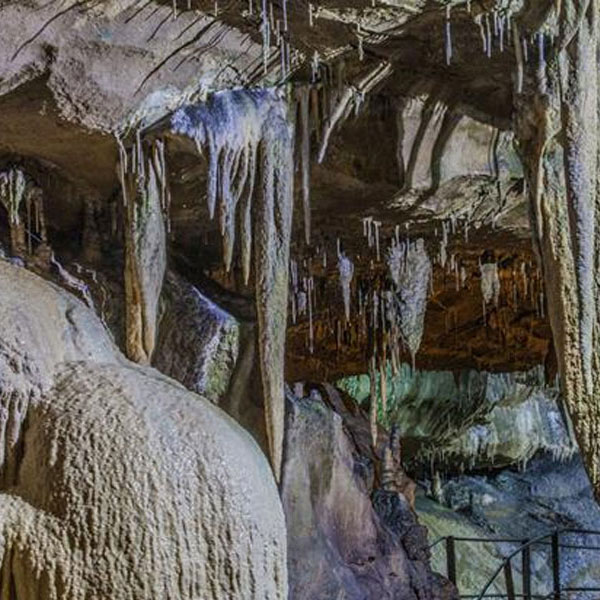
(554, 536)
(509, 557)
(551, 538)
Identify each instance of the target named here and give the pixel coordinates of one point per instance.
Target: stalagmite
(238, 127)
(346, 271)
(410, 270)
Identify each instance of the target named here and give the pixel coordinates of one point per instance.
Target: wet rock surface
(346, 537)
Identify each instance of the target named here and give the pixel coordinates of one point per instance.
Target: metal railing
(523, 552)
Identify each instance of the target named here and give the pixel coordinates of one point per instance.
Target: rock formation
(317, 218)
(115, 480)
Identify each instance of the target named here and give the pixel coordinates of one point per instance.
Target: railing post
(556, 565)
(451, 559)
(510, 584)
(526, 568)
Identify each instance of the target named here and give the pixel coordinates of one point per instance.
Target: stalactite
(444, 245)
(294, 284)
(238, 127)
(541, 39)
(145, 249)
(410, 270)
(482, 32)
(383, 385)
(14, 188)
(305, 157)
(346, 271)
(448, 35)
(302, 301)
(352, 95)
(367, 230)
(377, 226)
(265, 31)
(373, 396)
(490, 284)
(519, 57)
(311, 334)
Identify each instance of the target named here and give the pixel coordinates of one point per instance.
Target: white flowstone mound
(116, 482)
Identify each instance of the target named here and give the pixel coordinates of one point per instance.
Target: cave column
(557, 129)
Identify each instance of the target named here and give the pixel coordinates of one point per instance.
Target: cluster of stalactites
(13, 189)
(18, 190)
(234, 126)
(410, 270)
(498, 29)
(146, 201)
(246, 132)
(143, 170)
(344, 98)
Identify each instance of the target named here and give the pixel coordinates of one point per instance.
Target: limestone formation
(251, 194)
(116, 481)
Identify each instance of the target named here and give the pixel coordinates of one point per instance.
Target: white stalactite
(305, 156)
(346, 271)
(448, 36)
(490, 285)
(410, 270)
(239, 127)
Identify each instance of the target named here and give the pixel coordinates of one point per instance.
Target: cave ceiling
(424, 146)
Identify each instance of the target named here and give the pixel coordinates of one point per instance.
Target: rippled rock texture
(116, 481)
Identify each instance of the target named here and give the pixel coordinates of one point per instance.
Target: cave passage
(299, 300)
